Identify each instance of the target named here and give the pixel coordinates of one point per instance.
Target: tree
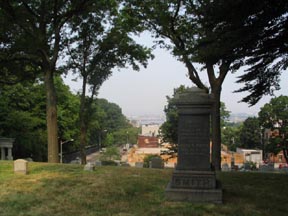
(230, 136)
(111, 153)
(207, 32)
(250, 134)
(266, 57)
(274, 116)
(34, 36)
(169, 129)
(22, 116)
(95, 48)
(108, 121)
(187, 24)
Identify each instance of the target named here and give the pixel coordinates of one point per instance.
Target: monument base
(194, 186)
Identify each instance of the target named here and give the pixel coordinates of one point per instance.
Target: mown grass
(60, 190)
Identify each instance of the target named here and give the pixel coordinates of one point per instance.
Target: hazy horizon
(144, 92)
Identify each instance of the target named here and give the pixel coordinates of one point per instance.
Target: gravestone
(157, 162)
(139, 164)
(225, 167)
(193, 179)
(89, 166)
(125, 164)
(98, 163)
(21, 166)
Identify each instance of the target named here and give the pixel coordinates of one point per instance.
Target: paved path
(93, 157)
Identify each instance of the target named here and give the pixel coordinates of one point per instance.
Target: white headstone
(89, 167)
(21, 166)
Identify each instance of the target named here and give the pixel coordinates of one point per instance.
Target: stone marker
(98, 163)
(225, 167)
(21, 166)
(193, 179)
(157, 162)
(125, 164)
(89, 167)
(139, 164)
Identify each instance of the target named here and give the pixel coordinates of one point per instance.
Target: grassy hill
(67, 190)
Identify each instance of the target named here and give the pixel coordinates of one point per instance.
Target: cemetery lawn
(60, 190)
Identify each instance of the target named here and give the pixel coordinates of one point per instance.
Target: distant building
(251, 155)
(135, 123)
(148, 119)
(227, 157)
(148, 142)
(150, 130)
(279, 158)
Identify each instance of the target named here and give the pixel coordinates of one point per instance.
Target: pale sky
(144, 92)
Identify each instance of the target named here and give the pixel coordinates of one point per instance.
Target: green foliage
(266, 57)
(126, 135)
(274, 116)
(230, 135)
(112, 117)
(97, 43)
(22, 116)
(225, 114)
(111, 153)
(34, 37)
(169, 129)
(108, 122)
(250, 134)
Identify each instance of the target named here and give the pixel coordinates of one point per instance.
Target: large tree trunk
(216, 131)
(83, 143)
(83, 127)
(51, 117)
(216, 88)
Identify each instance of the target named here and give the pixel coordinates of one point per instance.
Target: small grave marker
(21, 166)
(89, 167)
(139, 164)
(157, 163)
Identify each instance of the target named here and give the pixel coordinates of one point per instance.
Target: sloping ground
(60, 190)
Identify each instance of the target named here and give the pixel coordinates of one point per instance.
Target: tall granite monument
(193, 179)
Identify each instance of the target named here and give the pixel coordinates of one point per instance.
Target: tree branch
(180, 44)
(30, 10)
